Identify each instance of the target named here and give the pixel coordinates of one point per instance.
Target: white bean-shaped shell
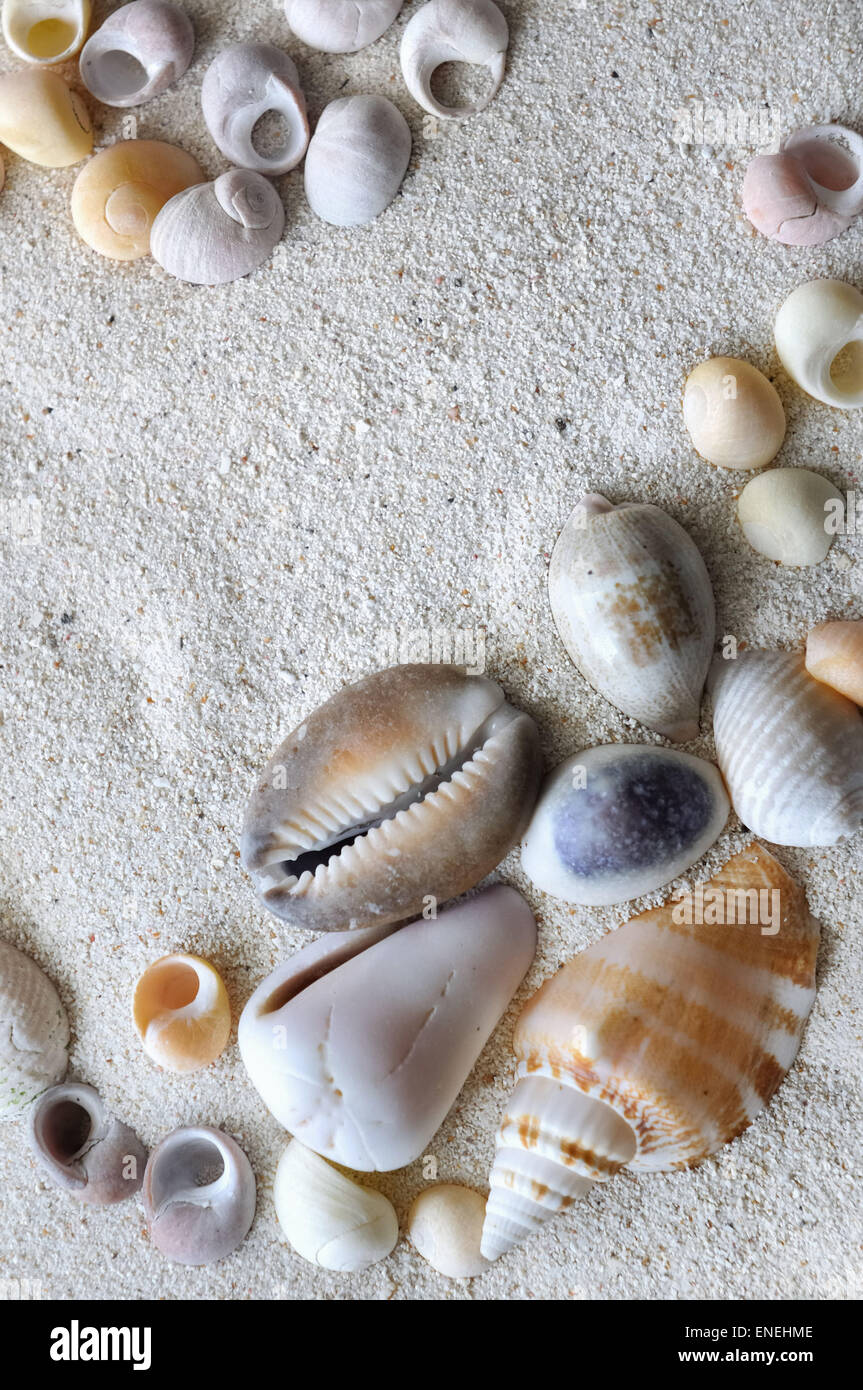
(240, 86)
(790, 749)
(198, 1195)
(811, 190)
(789, 515)
(84, 1149)
(834, 655)
(633, 604)
(356, 159)
(329, 1219)
(34, 1032)
(140, 50)
(733, 413)
(217, 232)
(340, 26)
(42, 119)
(362, 1059)
(445, 1224)
(453, 31)
(620, 820)
(655, 1046)
(819, 338)
(45, 31)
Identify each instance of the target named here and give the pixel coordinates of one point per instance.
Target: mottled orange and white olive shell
(34, 1031)
(83, 1148)
(182, 1013)
(657, 1045)
(408, 787)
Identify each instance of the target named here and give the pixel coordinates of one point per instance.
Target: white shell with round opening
(819, 338)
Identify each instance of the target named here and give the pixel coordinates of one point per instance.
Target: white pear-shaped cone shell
(410, 785)
(733, 413)
(445, 1225)
(199, 1195)
(363, 1063)
(329, 1219)
(42, 119)
(819, 338)
(240, 86)
(788, 514)
(34, 1032)
(623, 819)
(657, 1045)
(140, 50)
(834, 655)
(633, 604)
(453, 31)
(217, 232)
(83, 1148)
(356, 159)
(340, 26)
(790, 749)
(45, 31)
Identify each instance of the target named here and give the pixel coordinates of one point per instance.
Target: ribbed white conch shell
(356, 159)
(453, 31)
(45, 31)
(340, 26)
(362, 1060)
(790, 749)
(240, 86)
(138, 52)
(633, 604)
(34, 1032)
(811, 190)
(819, 338)
(329, 1219)
(216, 232)
(655, 1046)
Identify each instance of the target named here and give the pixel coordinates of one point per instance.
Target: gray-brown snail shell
(356, 159)
(215, 232)
(409, 786)
(140, 50)
(240, 86)
(83, 1148)
(199, 1195)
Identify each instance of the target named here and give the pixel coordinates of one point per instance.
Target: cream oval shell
(42, 119)
(733, 413)
(445, 1224)
(45, 31)
(182, 1014)
(121, 190)
(819, 338)
(330, 1220)
(834, 655)
(790, 515)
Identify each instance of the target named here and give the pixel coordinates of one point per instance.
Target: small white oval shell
(240, 86)
(785, 515)
(445, 1225)
(340, 26)
(356, 159)
(138, 52)
(453, 31)
(45, 31)
(329, 1219)
(212, 233)
(622, 819)
(733, 413)
(820, 322)
(34, 1032)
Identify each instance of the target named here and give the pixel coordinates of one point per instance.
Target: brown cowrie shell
(409, 786)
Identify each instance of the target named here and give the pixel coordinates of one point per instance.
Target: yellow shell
(733, 413)
(655, 1046)
(182, 1013)
(42, 119)
(45, 31)
(834, 656)
(118, 194)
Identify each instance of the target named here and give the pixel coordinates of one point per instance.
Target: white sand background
(243, 489)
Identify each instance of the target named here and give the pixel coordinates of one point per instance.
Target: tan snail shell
(356, 159)
(790, 749)
(409, 786)
(42, 119)
(240, 86)
(834, 655)
(811, 190)
(182, 1013)
(199, 1195)
(340, 26)
(34, 1032)
(120, 191)
(82, 1148)
(45, 31)
(139, 51)
(218, 232)
(733, 413)
(633, 604)
(655, 1046)
(453, 31)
